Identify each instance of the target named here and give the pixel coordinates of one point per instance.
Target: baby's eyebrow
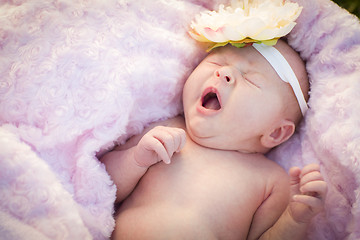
(244, 66)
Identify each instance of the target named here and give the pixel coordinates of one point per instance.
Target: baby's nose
(225, 75)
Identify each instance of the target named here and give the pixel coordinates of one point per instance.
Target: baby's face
(231, 98)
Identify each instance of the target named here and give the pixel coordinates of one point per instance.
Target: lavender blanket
(78, 76)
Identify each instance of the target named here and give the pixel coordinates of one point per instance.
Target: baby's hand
(308, 191)
(159, 144)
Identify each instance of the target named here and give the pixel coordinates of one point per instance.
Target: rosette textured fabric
(78, 76)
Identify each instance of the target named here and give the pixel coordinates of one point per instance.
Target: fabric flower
(246, 21)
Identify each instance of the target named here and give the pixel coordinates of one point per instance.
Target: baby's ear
(279, 134)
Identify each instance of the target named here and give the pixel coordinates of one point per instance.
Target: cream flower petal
(274, 33)
(198, 37)
(253, 26)
(232, 34)
(259, 20)
(214, 35)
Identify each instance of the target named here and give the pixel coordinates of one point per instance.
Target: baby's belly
(158, 221)
(188, 200)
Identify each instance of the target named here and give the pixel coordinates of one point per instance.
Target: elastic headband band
(283, 69)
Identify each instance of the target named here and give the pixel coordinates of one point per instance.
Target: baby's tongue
(212, 103)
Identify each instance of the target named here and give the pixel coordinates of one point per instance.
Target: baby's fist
(159, 144)
(308, 190)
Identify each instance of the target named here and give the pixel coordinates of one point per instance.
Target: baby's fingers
(155, 144)
(173, 140)
(309, 168)
(179, 138)
(182, 136)
(315, 204)
(294, 174)
(316, 189)
(311, 177)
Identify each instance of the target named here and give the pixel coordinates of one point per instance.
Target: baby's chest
(221, 191)
(208, 179)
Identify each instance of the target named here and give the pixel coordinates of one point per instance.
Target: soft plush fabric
(78, 76)
(328, 39)
(75, 76)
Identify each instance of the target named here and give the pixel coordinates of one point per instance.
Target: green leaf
(216, 45)
(238, 45)
(270, 42)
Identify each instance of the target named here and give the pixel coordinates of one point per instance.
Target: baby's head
(235, 100)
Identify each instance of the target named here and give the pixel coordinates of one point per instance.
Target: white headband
(283, 69)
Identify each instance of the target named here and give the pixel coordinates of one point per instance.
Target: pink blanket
(78, 76)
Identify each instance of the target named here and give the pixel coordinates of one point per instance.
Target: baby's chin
(220, 143)
(213, 142)
(202, 139)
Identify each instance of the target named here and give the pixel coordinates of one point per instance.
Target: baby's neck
(257, 148)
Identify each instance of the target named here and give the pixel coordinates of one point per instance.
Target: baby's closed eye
(250, 78)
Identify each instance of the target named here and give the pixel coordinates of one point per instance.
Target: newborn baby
(204, 175)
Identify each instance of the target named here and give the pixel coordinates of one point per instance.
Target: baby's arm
(126, 167)
(308, 192)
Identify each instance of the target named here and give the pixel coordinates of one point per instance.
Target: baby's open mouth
(211, 101)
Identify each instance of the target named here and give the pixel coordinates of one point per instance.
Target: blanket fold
(78, 77)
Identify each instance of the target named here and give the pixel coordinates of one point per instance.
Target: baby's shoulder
(267, 167)
(277, 179)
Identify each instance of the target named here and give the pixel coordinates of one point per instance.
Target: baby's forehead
(230, 50)
(232, 53)
(246, 55)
